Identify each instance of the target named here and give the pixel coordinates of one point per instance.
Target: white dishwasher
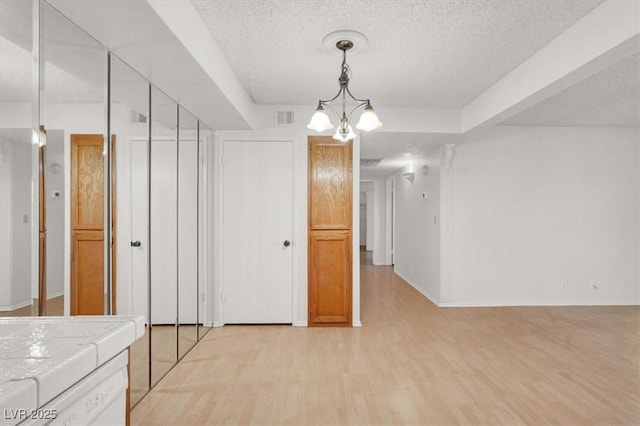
(65, 370)
(98, 399)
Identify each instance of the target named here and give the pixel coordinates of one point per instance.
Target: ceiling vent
(369, 162)
(285, 118)
(136, 117)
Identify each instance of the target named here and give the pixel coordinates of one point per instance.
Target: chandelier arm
(334, 98)
(365, 101)
(332, 109)
(357, 108)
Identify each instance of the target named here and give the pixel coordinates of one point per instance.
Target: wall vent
(285, 118)
(369, 162)
(136, 117)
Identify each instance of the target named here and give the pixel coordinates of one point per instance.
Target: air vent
(136, 117)
(285, 118)
(369, 162)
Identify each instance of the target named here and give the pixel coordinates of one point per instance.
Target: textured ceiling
(609, 98)
(438, 53)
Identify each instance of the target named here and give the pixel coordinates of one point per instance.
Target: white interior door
(257, 220)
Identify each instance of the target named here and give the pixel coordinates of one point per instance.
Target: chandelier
(368, 119)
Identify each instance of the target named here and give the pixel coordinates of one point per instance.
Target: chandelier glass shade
(320, 120)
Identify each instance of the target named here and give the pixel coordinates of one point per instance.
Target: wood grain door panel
(87, 182)
(330, 179)
(87, 296)
(330, 278)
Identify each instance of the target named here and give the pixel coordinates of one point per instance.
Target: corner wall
(417, 239)
(545, 216)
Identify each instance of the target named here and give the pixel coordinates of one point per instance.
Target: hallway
(412, 363)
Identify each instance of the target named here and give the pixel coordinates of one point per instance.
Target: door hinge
(222, 298)
(222, 161)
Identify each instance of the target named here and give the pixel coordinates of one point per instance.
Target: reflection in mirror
(187, 231)
(129, 113)
(73, 112)
(18, 163)
(163, 245)
(205, 136)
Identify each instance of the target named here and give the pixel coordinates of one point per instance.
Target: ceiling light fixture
(368, 119)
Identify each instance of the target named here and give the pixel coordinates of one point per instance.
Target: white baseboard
(56, 294)
(356, 324)
(503, 303)
(299, 324)
(420, 290)
(217, 324)
(7, 308)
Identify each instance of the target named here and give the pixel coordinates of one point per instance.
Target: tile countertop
(41, 357)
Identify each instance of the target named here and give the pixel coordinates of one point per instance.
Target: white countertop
(41, 357)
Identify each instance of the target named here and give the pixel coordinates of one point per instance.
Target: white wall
(55, 213)
(379, 222)
(539, 209)
(363, 219)
(417, 251)
(21, 244)
(15, 229)
(374, 190)
(370, 226)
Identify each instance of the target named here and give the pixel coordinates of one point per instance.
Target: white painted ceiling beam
(184, 21)
(606, 35)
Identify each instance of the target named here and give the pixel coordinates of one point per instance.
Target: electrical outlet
(535, 286)
(563, 285)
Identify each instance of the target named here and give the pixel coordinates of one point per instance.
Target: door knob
(136, 243)
(287, 243)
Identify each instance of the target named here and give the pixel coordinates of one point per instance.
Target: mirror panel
(205, 139)
(187, 231)
(19, 160)
(73, 115)
(163, 244)
(129, 125)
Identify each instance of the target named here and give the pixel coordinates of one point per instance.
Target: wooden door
(87, 226)
(330, 218)
(257, 228)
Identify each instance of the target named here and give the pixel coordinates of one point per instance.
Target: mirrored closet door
(103, 190)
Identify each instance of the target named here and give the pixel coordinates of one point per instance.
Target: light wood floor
(55, 308)
(412, 363)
